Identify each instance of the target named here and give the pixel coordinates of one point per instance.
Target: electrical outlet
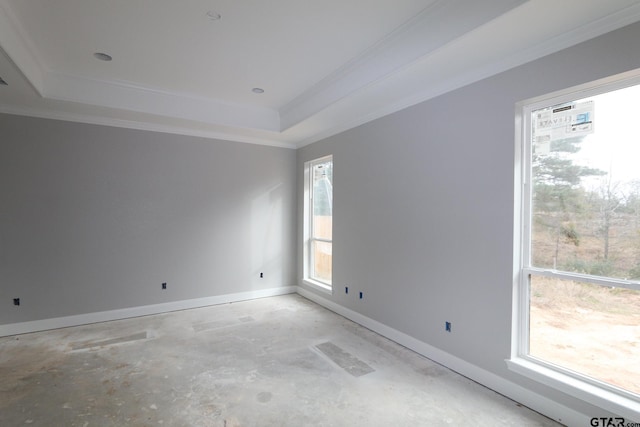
(164, 285)
(16, 301)
(262, 275)
(447, 326)
(346, 289)
(361, 295)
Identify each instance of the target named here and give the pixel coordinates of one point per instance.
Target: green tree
(558, 198)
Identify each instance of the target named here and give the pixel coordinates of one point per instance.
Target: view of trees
(583, 221)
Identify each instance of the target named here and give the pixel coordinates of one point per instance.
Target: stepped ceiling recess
(277, 72)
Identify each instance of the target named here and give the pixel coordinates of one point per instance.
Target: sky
(614, 146)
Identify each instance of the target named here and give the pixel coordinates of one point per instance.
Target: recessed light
(102, 56)
(257, 90)
(3, 83)
(213, 15)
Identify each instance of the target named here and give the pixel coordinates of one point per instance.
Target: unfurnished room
(174, 175)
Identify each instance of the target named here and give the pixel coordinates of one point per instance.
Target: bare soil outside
(590, 329)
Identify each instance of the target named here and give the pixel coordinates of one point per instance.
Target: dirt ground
(590, 329)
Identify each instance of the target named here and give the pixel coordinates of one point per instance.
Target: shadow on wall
(267, 235)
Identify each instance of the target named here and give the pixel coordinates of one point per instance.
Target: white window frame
(308, 238)
(598, 393)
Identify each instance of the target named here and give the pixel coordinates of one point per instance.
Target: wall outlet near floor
(16, 301)
(361, 295)
(262, 275)
(164, 285)
(447, 326)
(346, 289)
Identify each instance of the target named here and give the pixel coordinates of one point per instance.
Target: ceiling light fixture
(257, 90)
(102, 56)
(3, 83)
(213, 15)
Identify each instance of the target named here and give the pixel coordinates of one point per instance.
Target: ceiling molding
(413, 76)
(139, 125)
(434, 27)
(449, 44)
(19, 48)
(128, 96)
(590, 30)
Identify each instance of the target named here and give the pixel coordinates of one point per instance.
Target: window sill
(322, 287)
(619, 403)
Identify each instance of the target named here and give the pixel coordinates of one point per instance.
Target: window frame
(308, 234)
(593, 391)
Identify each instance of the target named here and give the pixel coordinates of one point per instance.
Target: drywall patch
(209, 326)
(104, 343)
(346, 361)
(219, 324)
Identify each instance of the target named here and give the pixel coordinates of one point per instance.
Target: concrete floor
(281, 361)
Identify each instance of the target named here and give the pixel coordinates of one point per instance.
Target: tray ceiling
(324, 67)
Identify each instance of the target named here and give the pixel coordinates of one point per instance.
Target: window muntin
(579, 282)
(320, 221)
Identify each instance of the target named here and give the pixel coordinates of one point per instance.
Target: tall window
(579, 282)
(319, 221)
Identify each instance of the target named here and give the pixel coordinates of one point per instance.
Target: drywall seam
(145, 310)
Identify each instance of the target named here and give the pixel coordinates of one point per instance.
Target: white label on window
(562, 122)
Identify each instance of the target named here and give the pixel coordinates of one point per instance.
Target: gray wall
(95, 218)
(424, 207)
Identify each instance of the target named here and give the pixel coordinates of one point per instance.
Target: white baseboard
(145, 310)
(507, 388)
(513, 391)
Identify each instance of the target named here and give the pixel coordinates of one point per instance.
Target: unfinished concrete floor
(281, 361)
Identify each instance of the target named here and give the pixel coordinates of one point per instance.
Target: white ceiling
(325, 66)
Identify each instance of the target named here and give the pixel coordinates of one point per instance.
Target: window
(319, 222)
(578, 281)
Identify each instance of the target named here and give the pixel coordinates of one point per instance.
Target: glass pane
(590, 329)
(323, 200)
(586, 186)
(322, 263)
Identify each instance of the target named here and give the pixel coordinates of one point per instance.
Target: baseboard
(145, 310)
(507, 388)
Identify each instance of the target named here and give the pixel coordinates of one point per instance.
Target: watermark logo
(612, 422)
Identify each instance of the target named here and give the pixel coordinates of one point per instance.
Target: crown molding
(128, 96)
(437, 25)
(56, 114)
(413, 64)
(19, 48)
(123, 95)
(417, 89)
